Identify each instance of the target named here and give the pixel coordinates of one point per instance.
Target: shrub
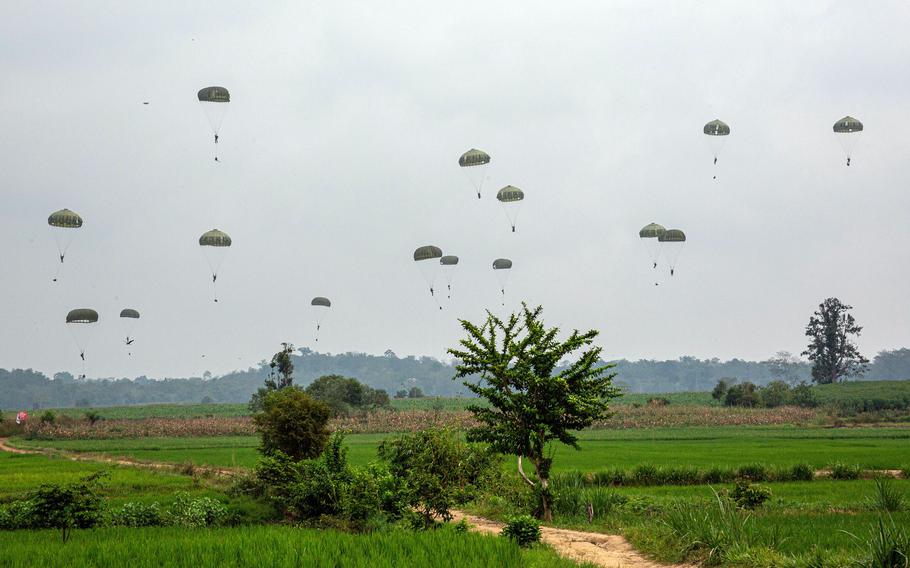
(753, 472)
(462, 526)
(748, 495)
(720, 389)
(65, 507)
(844, 471)
(774, 394)
(345, 395)
(48, 417)
(645, 474)
(887, 497)
(889, 547)
(802, 472)
(292, 422)
(718, 475)
(92, 416)
(802, 395)
(716, 530)
(17, 515)
(523, 529)
(744, 394)
(199, 512)
(439, 470)
(137, 515)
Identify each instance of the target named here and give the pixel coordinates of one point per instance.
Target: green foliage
(48, 417)
(281, 376)
(345, 395)
(803, 395)
(92, 416)
(887, 498)
(134, 515)
(415, 392)
(888, 546)
(462, 526)
(66, 506)
(293, 423)
(523, 529)
(742, 394)
(802, 472)
(774, 394)
(199, 512)
(749, 495)
(831, 350)
(843, 471)
(439, 470)
(531, 402)
(719, 392)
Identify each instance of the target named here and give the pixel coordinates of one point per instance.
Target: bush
(92, 416)
(753, 472)
(802, 395)
(744, 394)
(199, 512)
(802, 472)
(137, 515)
(887, 498)
(65, 507)
(748, 495)
(462, 526)
(345, 395)
(523, 529)
(292, 422)
(774, 394)
(439, 470)
(720, 389)
(48, 417)
(844, 471)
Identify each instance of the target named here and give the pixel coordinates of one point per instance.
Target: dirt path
(12, 450)
(607, 550)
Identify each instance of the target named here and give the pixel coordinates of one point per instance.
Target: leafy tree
(833, 355)
(401, 394)
(802, 395)
(281, 375)
(65, 507)
(531, 402)
(774, 394)
(891, 364)
(720, 389)
(439, 470)
(785, 367)
(292, 422)
(743, 394)
(344, 394)
(415, 392)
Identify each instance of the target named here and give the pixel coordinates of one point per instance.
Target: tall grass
(273, 546)
(653, 475)
(887, 498)
(888, 547)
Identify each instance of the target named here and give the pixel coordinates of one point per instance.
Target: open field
(871, 448)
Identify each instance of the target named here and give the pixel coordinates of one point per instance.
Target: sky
(338, 157)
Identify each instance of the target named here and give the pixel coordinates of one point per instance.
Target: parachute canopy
(509, 194)
(651, 230)
(717, 128)
(672, 236)
(65, 219)
(320, 301)
(474, 157)
(215, 238)
(449, 260)
(82, 315)
(214, 95)
(129, 313)
(847, 125)
(427, 252)
(502, 264)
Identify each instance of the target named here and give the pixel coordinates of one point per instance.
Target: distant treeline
(29, 389)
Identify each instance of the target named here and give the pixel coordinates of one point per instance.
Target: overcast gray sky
(339, 157)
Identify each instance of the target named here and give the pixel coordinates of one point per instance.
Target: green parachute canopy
(214, 95)
(449, 260)
(215, 238)
(509, 194)
(129, 313)
(502, 264)
(82, 315)
(672, 236)
(427, 252)
(474, 157)
(717, 128)
(65, 219)
(847, 125)
(651, 231)
(320, 301)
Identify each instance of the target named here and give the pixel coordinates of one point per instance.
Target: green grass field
(871, 448)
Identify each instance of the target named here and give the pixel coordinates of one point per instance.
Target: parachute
(848, 131)
(214, 245)
(79, 322)
(672, 241)
(475, 163)
(128, 320)
(213, 101)
(321, 306)
(717, 132)
(649, 235)
(511, 198)
(502, 267)
(425, 257)
(62, 224)
(448, 264)
(21, 417)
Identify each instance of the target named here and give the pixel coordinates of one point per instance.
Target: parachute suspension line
(215, 286)
(317, 333)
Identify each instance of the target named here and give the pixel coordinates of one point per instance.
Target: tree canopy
(831, 350)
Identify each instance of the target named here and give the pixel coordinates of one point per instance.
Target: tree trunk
(546, 511)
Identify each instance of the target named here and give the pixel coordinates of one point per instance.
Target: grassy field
(871, 448)
(266, 546)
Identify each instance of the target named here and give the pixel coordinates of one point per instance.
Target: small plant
(91, 416)
(523, 529)
(462, 526)
(48, 417)
(842, 471)
(749, 495)
(802, 472)
(753, 472)
(200, 512)
(889, 547)
(137, 515)
(887, 498)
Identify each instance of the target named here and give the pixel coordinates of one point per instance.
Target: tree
(743, 394)
(529, 405)
(891, 365)
(292, 422)
(833, 355)
(415, 392)
(69, 506)
(345, 394)
(281, 375)
(720, 389)
(785, 367)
